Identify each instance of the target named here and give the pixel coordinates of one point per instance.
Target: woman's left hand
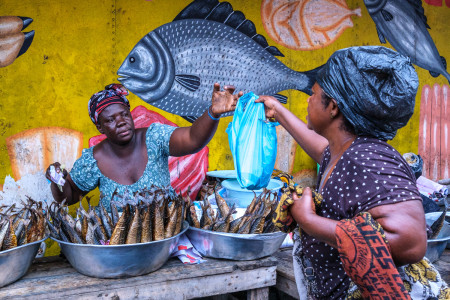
(223, 101)
(303, 208)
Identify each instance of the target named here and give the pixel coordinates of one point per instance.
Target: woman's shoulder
(366, 148)
(159, 131)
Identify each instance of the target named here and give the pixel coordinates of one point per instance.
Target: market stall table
(54, 278)
(286, 280)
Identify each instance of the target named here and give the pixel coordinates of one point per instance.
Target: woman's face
(116, 123)
(317, 117)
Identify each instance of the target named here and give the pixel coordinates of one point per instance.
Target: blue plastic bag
(253, 143)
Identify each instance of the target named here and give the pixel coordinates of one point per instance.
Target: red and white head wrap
(112, 94)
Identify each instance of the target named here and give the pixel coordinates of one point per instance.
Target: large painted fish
(175, 66)
(404, 25)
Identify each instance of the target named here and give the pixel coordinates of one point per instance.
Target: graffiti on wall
(14, 42)
(404, 25)
(434, 139)
(306, 24)
(175, 66)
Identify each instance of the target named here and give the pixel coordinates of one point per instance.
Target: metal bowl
(119, 261)
(14, 263)
(436, 247)
(235, 246)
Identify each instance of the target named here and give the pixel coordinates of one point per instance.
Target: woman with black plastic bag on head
(368, 236)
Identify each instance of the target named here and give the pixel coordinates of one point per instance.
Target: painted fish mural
(404, 25)
(175, 66)
(306, 24)
(14, 42)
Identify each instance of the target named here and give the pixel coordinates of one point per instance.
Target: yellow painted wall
(79, 45)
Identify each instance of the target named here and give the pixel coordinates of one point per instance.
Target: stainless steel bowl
(14, 263)
(234, 246)
(119, 261)
(436, 247)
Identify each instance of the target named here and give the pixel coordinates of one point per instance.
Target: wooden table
(54, 278)
(286, 280)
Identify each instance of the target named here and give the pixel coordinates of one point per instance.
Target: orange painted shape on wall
(33, 150)
(434, 145)
(306, 24)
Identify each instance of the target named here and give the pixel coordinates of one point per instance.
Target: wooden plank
(258, 294)
(287, 286)
(445, 133)
(285, 273)
(435, 150)
(60, 278)
(284, 267)
(424, 128)
(187, 288)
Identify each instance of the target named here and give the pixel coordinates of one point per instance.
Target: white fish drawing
(175, 66)
(404, 25)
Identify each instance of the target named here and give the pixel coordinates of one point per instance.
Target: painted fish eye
(132, 59)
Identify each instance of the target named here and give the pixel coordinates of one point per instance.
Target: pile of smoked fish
(20, 226)
(207, 188)
(256, 219)
(149, 215)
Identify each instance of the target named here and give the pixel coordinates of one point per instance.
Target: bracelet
(210, 115)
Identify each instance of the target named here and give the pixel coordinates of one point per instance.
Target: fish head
(149, 69)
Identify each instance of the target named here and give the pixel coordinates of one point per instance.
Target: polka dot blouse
(369, 173)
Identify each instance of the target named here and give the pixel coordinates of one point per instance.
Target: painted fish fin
(387, 16)
(381, 36)
(436, 74)
(417, 6)
(223, 12)
(281, 98)
(190, 119)
(189, 82)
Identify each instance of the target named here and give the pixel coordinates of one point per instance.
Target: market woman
(130, 159)
(371, 219)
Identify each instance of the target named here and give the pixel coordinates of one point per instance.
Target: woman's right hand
(58, 169)
(270, 105)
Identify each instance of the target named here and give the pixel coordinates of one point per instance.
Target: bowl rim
(23, 246)
(251, 236)
(227, 181)
(184, 229)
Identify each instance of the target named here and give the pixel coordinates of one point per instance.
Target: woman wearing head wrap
(130, 159)
(371, 220)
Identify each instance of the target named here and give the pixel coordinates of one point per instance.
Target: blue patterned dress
(87, 176)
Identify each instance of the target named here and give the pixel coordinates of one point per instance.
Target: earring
(332, 116)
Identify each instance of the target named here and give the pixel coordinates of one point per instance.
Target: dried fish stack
(207, 188)
(256, 219)
(21, 226)
(150, 215)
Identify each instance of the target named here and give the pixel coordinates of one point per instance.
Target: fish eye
(132, 59)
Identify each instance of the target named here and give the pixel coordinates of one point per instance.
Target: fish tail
(305, 80)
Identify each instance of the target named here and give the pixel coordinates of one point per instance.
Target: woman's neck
(338, 143)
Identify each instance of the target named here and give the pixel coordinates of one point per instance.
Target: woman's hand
(59, 173)
(223, 101)
(270, 105)
(303, 208)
